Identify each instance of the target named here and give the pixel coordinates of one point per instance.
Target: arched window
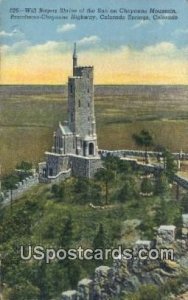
(91, 149)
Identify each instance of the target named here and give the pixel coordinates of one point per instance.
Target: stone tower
(81, 115)
(75, 151)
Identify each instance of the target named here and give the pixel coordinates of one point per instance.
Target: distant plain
(30, 114)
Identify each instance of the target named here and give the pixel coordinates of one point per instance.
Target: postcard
(93, 149)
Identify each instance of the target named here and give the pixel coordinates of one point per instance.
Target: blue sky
(21, 36)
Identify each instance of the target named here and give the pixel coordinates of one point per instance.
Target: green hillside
(60, 216)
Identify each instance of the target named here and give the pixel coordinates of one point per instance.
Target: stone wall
(56, 163)
(127, 154)
(138, 153)
(60, 177)
(94, 165)
(87, 166)
(183, 182)
(126, 276)
(22, 187)
(79, 166)
(83, 166)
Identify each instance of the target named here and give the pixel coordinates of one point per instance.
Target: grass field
(30, 114)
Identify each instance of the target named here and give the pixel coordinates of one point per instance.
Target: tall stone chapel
(75, 150)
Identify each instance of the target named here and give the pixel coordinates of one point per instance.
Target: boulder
(69, 295)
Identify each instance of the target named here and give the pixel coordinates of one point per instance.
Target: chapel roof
(65, 129)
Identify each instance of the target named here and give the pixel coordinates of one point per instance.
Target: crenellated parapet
(21, 188)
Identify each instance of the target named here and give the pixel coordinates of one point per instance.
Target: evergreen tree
(81, 185)
(161, 216)
(128, 191)
(146, 186)
(9, 183)
(170, 166)
(168, 213)
(42, 282)
(66, 234)
(184, 203)
(73, 271)
(95, 193)
(24, 291)
(111, 163)
(161, 184)
(81, 190)
(58, 191)
(99, 241)
(124, 168)
(25, 169)
(106, 175)
(24, 166)
(55, 190)
(143, 139)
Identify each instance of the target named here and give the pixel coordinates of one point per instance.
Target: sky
(39, 51)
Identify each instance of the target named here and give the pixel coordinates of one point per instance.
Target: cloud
(65, 28)
(163, 48)
(6, 34)
(51, 47)
(15, 33)
(140, 24)
(90, 40)
(50, 62)
(16, 48)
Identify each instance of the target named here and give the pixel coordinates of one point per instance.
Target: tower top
(74, 52)
(74, 59)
